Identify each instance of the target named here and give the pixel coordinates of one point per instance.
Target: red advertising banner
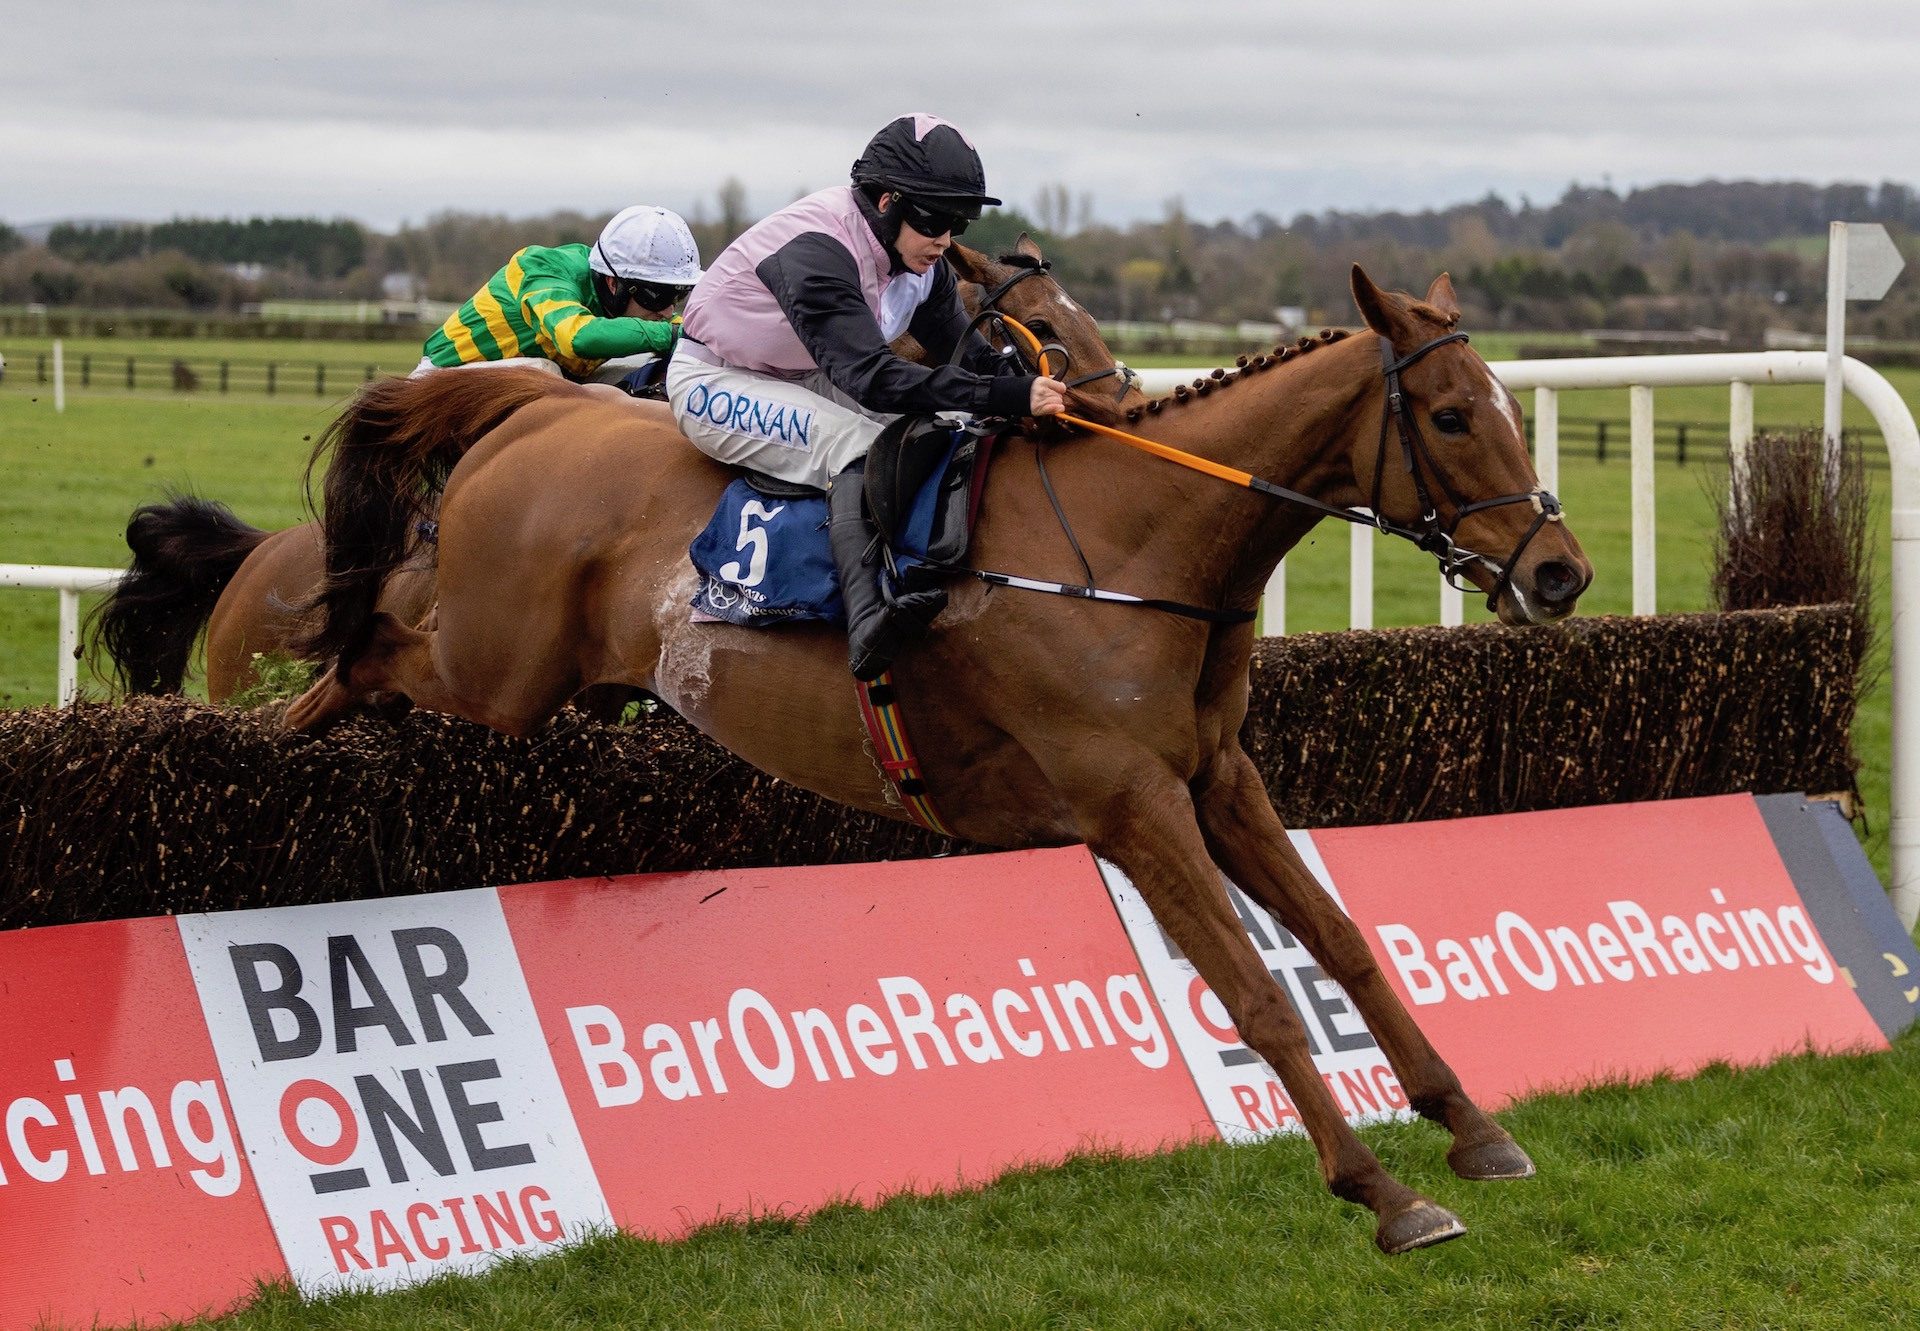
(1548, 950)
(398, 1105)
(775, 1040)
(366, 1093)
(124, 1192)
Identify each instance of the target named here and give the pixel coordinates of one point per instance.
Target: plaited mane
(1242, 366)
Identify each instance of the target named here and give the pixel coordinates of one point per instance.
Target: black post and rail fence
(275, 377)
(1601, 439)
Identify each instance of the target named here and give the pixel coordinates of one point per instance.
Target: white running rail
(1740, 372)
(69, 581)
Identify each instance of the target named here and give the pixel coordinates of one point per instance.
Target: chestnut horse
(1039, 720)
(195, 563)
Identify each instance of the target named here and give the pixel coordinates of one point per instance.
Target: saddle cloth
(764, 558)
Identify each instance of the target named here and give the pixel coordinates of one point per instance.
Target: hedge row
(163, 805)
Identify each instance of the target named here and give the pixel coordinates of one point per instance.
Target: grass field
(1787, 1197)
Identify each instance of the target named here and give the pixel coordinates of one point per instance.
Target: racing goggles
(655, 295)
(930, 222)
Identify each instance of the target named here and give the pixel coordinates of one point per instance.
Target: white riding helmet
(647, 244)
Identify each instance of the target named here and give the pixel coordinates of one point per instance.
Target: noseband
(995, 318)
(1429, 531)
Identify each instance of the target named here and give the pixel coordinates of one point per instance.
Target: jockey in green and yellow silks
(575, 308)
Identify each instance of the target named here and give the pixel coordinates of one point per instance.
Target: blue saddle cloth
(767, 561)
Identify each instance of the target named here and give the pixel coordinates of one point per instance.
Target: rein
(1428, 532)
(990, 313)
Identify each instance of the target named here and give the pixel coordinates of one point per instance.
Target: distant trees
(1740, 255)
(318, 249)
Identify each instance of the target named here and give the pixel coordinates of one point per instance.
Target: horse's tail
(185, 551)
(392, 449)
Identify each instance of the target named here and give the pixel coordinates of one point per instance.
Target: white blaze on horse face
(1506, 401)
(1527, 613)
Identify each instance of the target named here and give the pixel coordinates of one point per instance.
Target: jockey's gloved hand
(1049, 397)
(649, 380)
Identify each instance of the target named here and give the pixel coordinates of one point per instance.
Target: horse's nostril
(1556, 582)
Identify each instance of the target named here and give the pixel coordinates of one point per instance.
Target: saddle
(765, 554)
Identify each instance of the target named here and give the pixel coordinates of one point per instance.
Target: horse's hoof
(1496, 1159)
(1419, 1226)
(314, 708)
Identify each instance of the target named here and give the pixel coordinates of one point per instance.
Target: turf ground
(1784, 1197)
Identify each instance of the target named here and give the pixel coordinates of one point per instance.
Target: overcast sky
(389, 112)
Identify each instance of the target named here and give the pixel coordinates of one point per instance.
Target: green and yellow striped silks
(543, 304)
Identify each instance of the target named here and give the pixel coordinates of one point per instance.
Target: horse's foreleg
(1146, 826)
(1248, 841)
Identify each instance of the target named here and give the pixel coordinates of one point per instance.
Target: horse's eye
(1451, 421)
(1040, 328)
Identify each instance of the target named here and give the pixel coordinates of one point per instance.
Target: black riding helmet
(929, 161)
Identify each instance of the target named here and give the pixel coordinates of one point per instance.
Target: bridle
(996, 320)
(1430, 532)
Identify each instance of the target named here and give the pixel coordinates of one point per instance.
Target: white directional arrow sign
(1861, 264)
(1873, 261)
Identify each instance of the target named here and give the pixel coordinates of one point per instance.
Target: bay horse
(195, 564)
(1039, 720)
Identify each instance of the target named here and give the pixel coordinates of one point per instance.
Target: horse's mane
(1243, 366)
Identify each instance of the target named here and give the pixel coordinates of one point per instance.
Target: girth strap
(880, 710)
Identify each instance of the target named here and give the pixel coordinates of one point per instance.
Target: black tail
(392, 449)
(185, 551)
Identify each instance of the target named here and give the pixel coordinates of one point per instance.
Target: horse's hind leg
(1248, 841)
(1139, 815)
(398, 659)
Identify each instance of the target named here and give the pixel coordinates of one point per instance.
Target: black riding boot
(878, 624)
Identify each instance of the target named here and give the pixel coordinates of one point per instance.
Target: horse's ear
(1027, 246)
(1372, 302)
(968, 265)
(1440, 296)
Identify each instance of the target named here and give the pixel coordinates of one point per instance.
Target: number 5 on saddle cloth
(764, 557)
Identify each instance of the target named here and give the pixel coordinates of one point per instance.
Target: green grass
(69, 481)
(1787, 1196)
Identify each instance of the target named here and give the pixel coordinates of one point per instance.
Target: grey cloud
(387, 111)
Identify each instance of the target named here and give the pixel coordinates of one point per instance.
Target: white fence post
(1830, 399)
(1273, 606)
(1360, 574)
(1546, 437)
(68, 673)
(1640, 439)
(69, 581)
(1739, 425)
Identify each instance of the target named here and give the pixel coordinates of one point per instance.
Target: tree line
(1740, 256)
